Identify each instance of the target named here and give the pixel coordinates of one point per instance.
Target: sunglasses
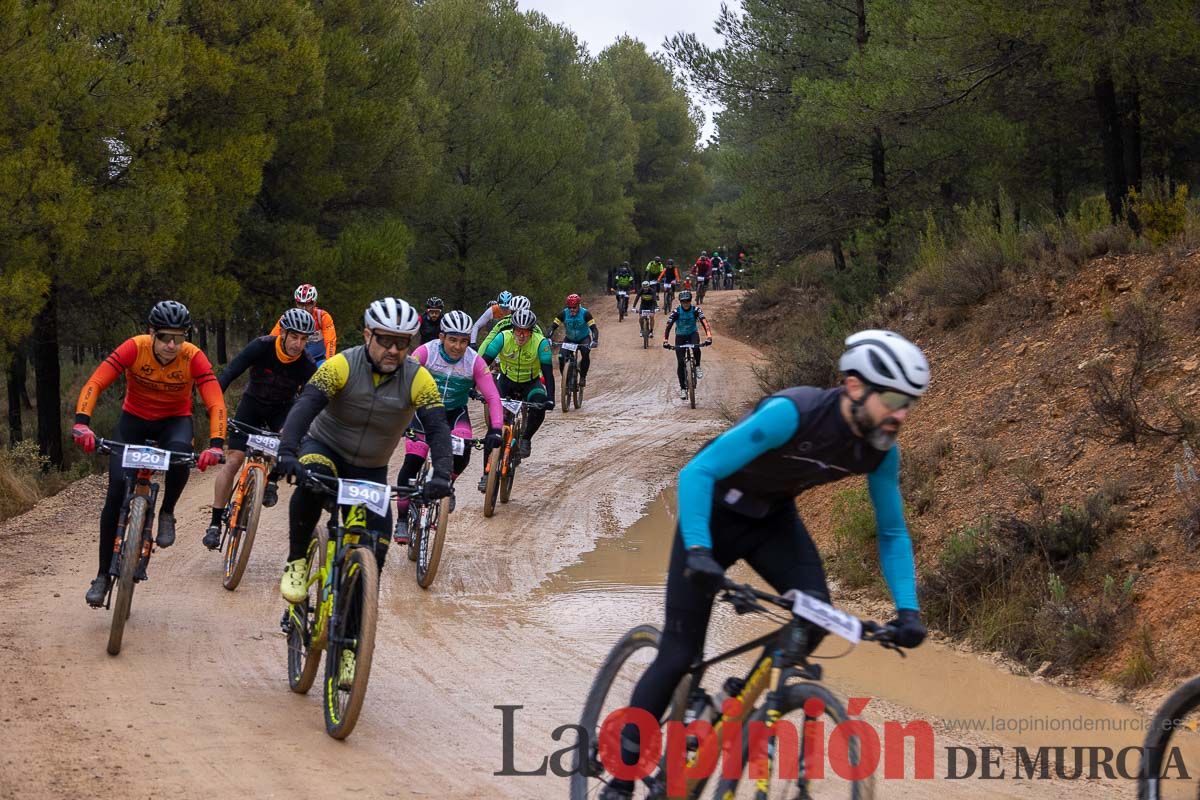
(167, 338)
(391, 342)
(895, 401)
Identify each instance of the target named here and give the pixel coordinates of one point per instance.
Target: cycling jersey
(652, 269)
(499, 328)
(578, 325)
(647, 300)
(322, 343)
(521, 363)
(155, 391)
(430, 328)
(668, 275)
(455, 379)
(275, 377)
(623, 280)
(792, 441)
(493, 313)
(685, 320)
(358, 412)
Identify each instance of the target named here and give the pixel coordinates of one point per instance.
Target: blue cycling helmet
(504, 299)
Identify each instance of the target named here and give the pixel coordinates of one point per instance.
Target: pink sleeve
(487, 387)
(421, 354)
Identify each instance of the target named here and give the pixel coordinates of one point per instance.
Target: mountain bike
(782, 670)
(728, 279)
(428, 519)
(343, 587)
(135, 541)
(622, 304)
(572, 391)
(701, 286)
(239, 523)
(1173, 729)
(690, 367)
(668, 296)
(647, 319)
(502, 463)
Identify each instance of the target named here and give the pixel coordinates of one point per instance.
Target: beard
(876, 436)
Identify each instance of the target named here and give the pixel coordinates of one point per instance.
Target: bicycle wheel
(788, 777)
(131, 553)
(645, 333)
(506, 482)
(241, 535)
(577, 395)
(432, 536)
(568, 378)
(1172, 740)
(357, 598)
(610, 691)
(492, 487)
(413, 515)
(306, 632)
(691, 382)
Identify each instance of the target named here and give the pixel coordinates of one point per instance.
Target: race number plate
(267, 444)
(647, 313)
(622, 293)
(364, 493)
(513, 406)
(457, 445)
(138, 456)
(810, 608)
(569, 346)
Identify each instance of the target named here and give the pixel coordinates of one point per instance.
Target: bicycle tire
(492, 486)
(131, 553)
(1181, 702)
(506, 482)
(237, 553)
(565, 394)
(792, 699)
(577, 395)
(635, 639)
(432, 538)
(412, 515)
(692, 383)
(360, 576)
(305, 641)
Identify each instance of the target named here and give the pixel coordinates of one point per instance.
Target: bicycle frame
(255, 459)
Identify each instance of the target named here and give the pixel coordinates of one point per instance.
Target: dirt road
(524, 607)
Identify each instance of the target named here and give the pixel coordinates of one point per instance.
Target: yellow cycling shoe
(294, 585)
(346, 672)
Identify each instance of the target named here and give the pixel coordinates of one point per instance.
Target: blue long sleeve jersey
(771, 426)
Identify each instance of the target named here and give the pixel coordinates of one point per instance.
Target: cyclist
(517, 303)
(685, 318)
(279, 367)
(456, 369)
(647, 300)
(160, 369)
(322, 343)
(580, 328)
(668, 278)
(523, 354)
(347, 423)
(496, 311)
(702, 272)
(431, 320)
(737, 501)
(653, 267)
(622, 278)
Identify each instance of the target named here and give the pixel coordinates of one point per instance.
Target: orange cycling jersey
(153, 390)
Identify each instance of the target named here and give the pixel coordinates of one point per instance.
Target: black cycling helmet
(170, 314)
(670, 262)
(658, 259)
(434, 302)
(624, 263)
(299, 321)
(685, 296)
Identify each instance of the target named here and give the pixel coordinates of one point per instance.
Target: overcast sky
(652, 21)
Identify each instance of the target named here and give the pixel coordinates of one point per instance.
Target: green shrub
(21, 469)
(1161, 212)
(855, 557)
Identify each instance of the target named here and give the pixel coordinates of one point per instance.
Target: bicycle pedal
(140, 575)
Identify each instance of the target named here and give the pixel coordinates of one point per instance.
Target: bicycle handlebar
(327, 484)
(744, 599)
(477, 444)
(244, 428)
(686, 346)
(108, 445)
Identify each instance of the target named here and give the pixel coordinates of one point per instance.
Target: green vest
(521, 363)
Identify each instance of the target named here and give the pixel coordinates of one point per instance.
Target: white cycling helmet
(457, 323)
(524, 319)
(393, 315)
(518, 302)
(886, 360)
(305, 293)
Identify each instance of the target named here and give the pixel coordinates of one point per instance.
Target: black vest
(822, 450)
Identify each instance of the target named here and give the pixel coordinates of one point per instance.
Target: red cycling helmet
(572, 301)
(306, 293)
